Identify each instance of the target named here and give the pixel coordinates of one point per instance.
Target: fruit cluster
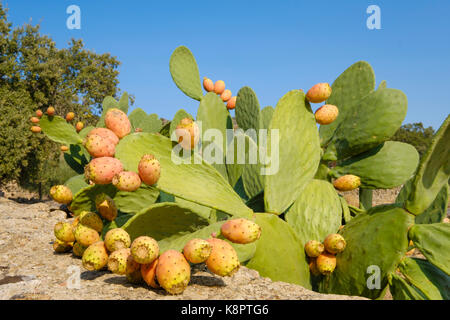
(51, 112)
(322, 256)
(140, 260)
(219, 88)
(327, 113)
(101, 143)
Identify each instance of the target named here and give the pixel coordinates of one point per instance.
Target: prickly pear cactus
(292, 188)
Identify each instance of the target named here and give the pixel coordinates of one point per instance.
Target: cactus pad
(247, 109)
(279, 253)
(373, 120)
(318, 202)
(184, 71)
(351, 86)
(58, 130)
(433, 172)
(432, 282)
(297, 165)
(147, 122)
(433, 241)
(383, 167)
(376, 238)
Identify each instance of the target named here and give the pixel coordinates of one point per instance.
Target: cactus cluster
(281, 210)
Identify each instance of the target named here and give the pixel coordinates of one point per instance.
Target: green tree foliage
(415, 134)
(35, 74)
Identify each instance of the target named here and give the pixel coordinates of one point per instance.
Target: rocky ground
(29, 269)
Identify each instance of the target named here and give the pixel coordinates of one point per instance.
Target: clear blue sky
(272, 47)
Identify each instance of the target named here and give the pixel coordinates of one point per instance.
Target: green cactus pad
(116, 223)
(180, 115)
(220, 167)
(76, 183)
(382, 85)
(76, 158)
(297, 165)
(436, 212)
(265, 117)
(402, 290)
(84, 200)
(202, 211)
(365, 198)
(123, 102)
(127, 202)
(165, 130)
(147, 122)
(84, 132)
(184, 71)
(373, 120)
(244, 251)
(346, 216)
(376, 238)
(323, 172)
(212, 114)
(257, 202)
(164, 220)
(279, 253)
(252, 179)
(133, 202)
(165, 197)
(431, 281)
(318, 203)
(235, 169)
(196, 182)
(383, 167)
(247, 109)
(354, 211)
(433, 172)
(433, 241)
(350, 87)
(239, 189)
(58, 130)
